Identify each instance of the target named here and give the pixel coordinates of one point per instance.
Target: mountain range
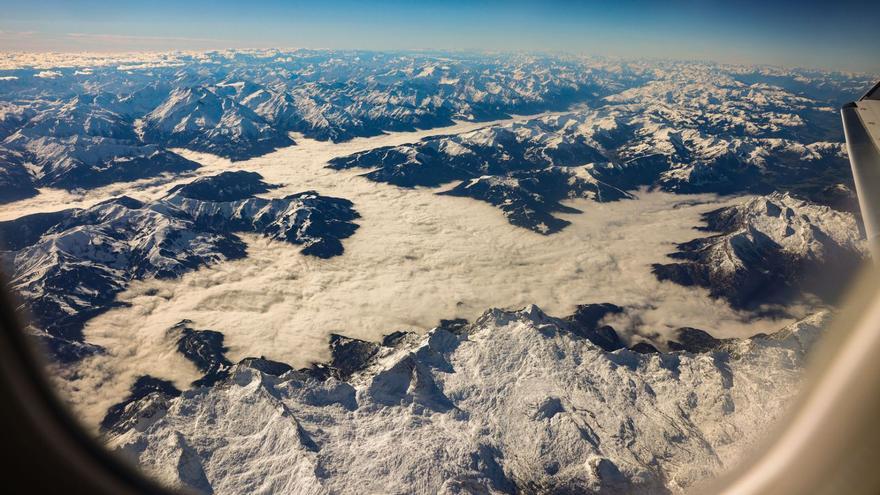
(515, 401)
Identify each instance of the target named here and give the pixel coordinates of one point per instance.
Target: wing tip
(873, 93)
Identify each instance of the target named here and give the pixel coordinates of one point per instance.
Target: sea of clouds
(416, 258)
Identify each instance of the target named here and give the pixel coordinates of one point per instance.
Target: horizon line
(425, 50)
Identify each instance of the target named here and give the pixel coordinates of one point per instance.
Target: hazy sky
(838, 35)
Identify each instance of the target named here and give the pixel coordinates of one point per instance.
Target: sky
(839, 35)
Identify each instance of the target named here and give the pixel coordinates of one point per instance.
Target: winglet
(861, 125)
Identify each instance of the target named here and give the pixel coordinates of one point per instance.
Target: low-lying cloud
(417, 257)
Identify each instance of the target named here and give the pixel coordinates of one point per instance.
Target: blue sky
(838, 35)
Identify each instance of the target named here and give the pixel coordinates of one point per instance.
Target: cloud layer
(418, 257)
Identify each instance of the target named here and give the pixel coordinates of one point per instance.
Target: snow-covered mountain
(82, 142)
(516, 402)
(225, 202)
(68, 266)
(203, 120)
(15, 180)
(692, 130)
(709, 124)
(770, 249)
(90, 161)
(528, 198)
(96, 122)
(524, 169)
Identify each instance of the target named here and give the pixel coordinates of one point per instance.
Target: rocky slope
(68, 266)
(517, 401)
(771, 249)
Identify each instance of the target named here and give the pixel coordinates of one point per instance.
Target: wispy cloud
(139, 38)
(17, 34)
(48, 74)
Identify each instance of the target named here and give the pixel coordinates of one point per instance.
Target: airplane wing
(861, 124)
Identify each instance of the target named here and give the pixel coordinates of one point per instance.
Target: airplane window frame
(38, 427)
